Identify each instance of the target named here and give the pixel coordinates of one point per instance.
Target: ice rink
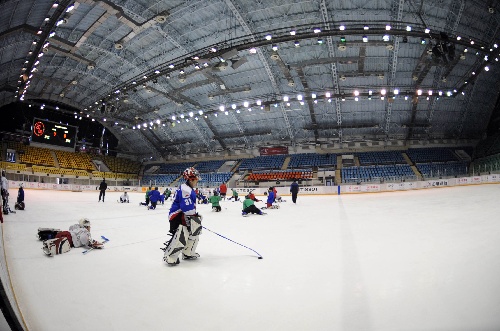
(416, 260)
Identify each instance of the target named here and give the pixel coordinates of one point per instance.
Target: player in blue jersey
(185, 222)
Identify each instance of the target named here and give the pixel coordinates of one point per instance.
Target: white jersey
(124, 197)
(5, 183)
(81, 236)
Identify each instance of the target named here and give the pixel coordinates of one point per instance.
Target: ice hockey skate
(193, 257)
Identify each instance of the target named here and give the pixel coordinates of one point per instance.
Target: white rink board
(306, 190)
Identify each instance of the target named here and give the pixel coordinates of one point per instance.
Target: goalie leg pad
(195, 226)
(189, 252)
(176, 245)
(56, 246)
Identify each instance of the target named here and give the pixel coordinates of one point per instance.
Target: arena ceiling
(177, 77)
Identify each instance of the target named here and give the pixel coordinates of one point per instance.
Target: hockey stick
(260, 256)
(105, 240)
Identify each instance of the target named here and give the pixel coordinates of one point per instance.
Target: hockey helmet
(191, 174)
(216, 193)
(84, 222)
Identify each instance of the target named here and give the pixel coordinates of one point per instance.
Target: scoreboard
(52, 133)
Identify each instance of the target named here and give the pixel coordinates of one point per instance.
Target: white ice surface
(417, 260)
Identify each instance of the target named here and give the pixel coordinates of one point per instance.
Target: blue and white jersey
(184, 202)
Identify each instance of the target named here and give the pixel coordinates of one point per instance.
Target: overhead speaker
(118, 46)
(462, 57)
(291, 83)
(74, 82)
(275, 56)
(238, 63)
(343, 78)
(380, 77)
(415, 78)
(61, 95)
(389, 47)
(91, 67)
(342, 48)
(160, 19)
(45, 50)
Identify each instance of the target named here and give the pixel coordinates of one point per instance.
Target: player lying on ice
(57, 242)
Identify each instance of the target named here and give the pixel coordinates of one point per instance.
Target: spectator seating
(214, 178)
(159, 180)
(312, 160)
(174, 168)
(74, 160)
(209, 166)
(370, 173)
(35, 155)
(119, 164)
(487, 164)
(385, 157)
(12, 166)
(280, 175)
(442, 169)
(426, 155)
(263, 162)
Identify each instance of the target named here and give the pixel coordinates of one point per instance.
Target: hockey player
(214, 200)
(202, 199)
(185, 222)
(77, 236)
(270, 199)
(5, 193)
(124, 198)
(167, 193)
(294, 189)
(249, 207)
(223, 190)
(102, 190)
(277, 197)
(146, 197)
(20, 198)
(235, 195)
(154, 196)
(252, 196)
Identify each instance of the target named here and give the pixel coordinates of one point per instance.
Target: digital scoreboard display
(52, 133)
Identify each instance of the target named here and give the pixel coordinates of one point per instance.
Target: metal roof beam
(396, 16)
(333, 68)
(264, 62)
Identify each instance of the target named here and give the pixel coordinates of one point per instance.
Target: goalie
(185, 222)
(56, 242)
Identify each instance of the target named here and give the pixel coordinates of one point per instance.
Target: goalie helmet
(84, 222)
(191, 174)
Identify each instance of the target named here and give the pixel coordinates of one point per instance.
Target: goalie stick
(105, 240)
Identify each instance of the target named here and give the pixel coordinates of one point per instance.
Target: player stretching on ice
(270, 200)
(249, 207)
(185, 222)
